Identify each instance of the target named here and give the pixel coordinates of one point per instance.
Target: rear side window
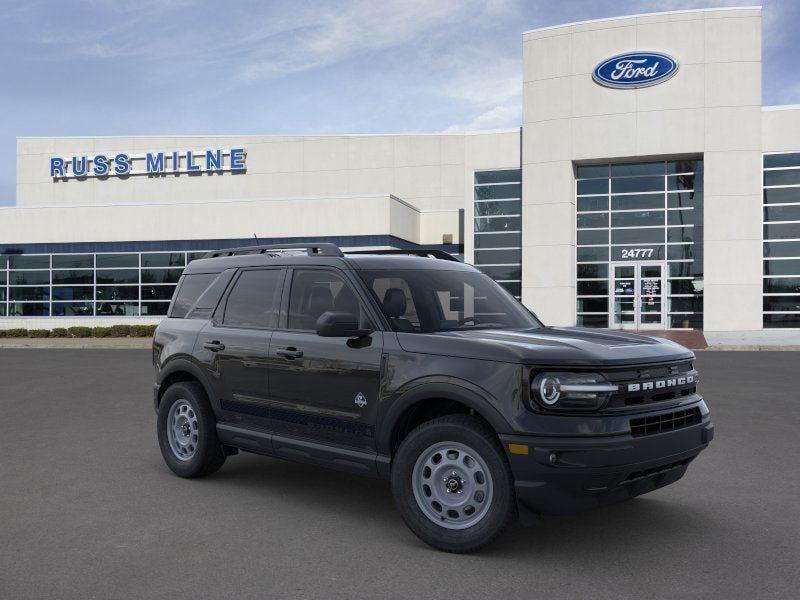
(317, 291)
(189, 291)
(254, 299)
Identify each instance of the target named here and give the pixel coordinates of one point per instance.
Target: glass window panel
(680, 252)
(596, 203)
(591, 171)
(684, 217)
(683, 182)
(73, 309)
(498, 224)
(637, 236)
(117, 309)
(118, 276)
(637, 219)
(514, 288)
(118, 292)
(782, 231)
(788, 177)
(693, 304)
(648, 168)
(592, 254)
(2, 294)
(498, 240)
(686, 321)
(498, 257)
(254, 299)
(191, 288)
(592, 271)
(73, 261)
(782, 249)
(774, 321)
(312, 293)
(684, 199)
(680, 234)
(681, 269)
(2, 277)
(161, 275)
(592, 236)
(593, 321)
(684, 166)
(163, 259)
(782, 267)
(782, 285)
(3, 261)
(493, 192)
(593, 220)
(194, 256)
(637, 184)
(783, 303)
(73, 292)
(782, 213)
(28, 309)
(157, 292)
(28, 261)
(73, 277)
(592, 288)
(498, 176)
(685, 286)
(117, 260)
(637, 202)
(513, 272)
(2, 310)
(592, 186)
(789, 159)
(151, 309)
(484, 209)
(29, 277)
(782, 195)
(593, 305)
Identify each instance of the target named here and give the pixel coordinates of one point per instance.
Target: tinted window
(253, 301)
(189, 291)
(315, 292)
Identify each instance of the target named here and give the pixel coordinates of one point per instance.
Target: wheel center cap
(453, 484)
(185, 429)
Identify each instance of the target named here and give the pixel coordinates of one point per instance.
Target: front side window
(315, 292)
(254, 299)
(429, 301)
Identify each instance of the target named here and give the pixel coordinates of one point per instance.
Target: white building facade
(647, 188)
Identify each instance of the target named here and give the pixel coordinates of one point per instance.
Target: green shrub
(80, 332)
(101, 332)
(142, 330)
(120, 330)
(59, 332)
(16, 332)
(38, 333)
(2, 333)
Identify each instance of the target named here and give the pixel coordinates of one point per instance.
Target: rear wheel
(187, 433)
(452, 484)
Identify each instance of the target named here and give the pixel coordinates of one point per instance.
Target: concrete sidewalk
(77, 343)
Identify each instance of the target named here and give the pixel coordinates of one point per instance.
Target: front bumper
(563, 475)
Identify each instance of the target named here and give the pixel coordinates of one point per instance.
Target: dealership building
(646, 188)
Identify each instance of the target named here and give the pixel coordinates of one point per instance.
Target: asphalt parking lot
(88, 509)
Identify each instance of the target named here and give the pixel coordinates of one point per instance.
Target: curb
(77, 343)
(753, 348)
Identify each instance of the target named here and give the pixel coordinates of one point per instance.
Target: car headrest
(394, 302)
(320, 300)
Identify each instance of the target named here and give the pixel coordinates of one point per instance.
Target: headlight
(576, 391)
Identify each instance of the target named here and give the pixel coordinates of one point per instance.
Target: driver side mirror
(340, 324)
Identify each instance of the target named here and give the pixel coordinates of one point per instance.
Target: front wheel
(452, 484)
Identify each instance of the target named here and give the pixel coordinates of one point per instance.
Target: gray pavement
(88, 510)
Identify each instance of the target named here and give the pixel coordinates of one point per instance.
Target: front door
(637, 295)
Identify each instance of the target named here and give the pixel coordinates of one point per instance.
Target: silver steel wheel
(452, 485)
(182, 430)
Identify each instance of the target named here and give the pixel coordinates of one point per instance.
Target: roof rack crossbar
(440, 254)
(323, 249)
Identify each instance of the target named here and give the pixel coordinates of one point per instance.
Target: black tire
(208, 455)
(474, 433)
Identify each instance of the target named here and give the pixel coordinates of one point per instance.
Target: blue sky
(153, 67)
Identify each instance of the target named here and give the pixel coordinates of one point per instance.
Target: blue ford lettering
(635, 70)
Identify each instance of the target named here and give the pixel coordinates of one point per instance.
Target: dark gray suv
(412, 366)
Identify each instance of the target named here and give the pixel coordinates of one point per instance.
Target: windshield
(429, 301)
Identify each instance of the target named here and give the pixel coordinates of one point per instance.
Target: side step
(335, 457)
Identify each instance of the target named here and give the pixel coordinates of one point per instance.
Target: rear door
(324, 389)
(234, 345)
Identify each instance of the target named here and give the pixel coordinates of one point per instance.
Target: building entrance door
(637, 295)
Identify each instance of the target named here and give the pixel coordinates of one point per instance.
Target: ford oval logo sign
(635, 70)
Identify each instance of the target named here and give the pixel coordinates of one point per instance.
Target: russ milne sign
(152, 163)
(635, 70)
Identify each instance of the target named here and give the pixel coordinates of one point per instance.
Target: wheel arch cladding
(182, 371)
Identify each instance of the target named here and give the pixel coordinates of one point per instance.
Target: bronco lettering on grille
(659, 384)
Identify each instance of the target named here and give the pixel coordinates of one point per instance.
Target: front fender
(181, 364)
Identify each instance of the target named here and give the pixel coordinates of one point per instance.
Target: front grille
(637, 475)
(665, 422)
(648, 384)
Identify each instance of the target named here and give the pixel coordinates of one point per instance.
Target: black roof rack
(440, 254)
(324, 249)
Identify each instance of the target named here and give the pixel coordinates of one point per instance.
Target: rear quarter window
(189, 290)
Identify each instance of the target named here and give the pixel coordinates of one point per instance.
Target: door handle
(214, 346)
(290, 353)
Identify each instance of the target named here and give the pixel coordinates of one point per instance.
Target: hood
(563, 346)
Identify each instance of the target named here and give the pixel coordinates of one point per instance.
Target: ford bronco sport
(413, 366)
